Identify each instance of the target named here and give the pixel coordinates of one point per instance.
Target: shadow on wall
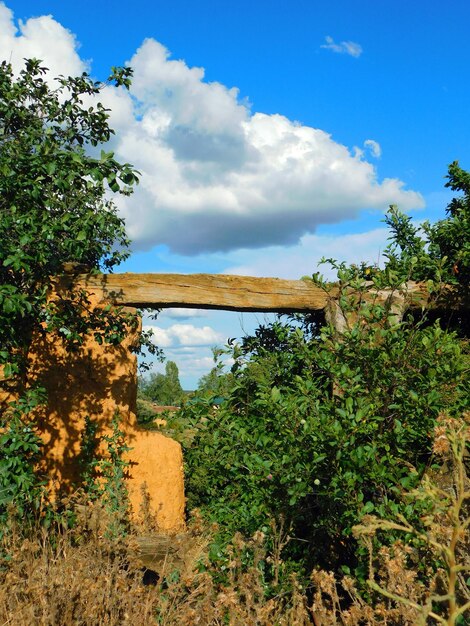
(98, 381)
(95, 381)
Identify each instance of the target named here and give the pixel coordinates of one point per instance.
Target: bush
(418, 572)
(321, 427)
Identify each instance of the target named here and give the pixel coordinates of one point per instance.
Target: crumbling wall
(98, 381)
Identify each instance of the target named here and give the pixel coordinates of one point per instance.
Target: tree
(164, 389)
(439, 253)
(54, 205)
(55, 209)
(436, 251)
(450, 237)
(217, 382)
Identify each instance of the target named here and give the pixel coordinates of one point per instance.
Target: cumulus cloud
(185, 335)
(197, 366)
(215, 176)
(344, 47)
(40, 37)
(303, 258)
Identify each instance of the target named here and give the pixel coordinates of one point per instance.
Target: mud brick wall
(98, 381)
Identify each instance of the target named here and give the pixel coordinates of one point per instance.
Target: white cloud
(198, 366)
(185, 335)
(40, 37)
(215, 177)
(303, 258)
(374, 147)
(344, 47)
(183, 314)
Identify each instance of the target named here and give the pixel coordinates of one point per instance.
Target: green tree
(216, 382)
(164, 389)
(54, 202)
(55, 209)
(435, 251)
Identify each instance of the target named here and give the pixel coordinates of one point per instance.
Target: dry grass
(66, 578)
(84, 578)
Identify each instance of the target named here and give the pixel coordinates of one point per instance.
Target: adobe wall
(97, 381)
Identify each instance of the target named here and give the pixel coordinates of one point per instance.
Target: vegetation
(103, 474)
(331, 484)
(164, 389)
(442, 251)
(326, 429)
(216, 383)
(322, 428)
(85, 577)
(439, 253)
(158, 390)
(55, 214)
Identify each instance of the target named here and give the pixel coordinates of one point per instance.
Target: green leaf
(7, 370)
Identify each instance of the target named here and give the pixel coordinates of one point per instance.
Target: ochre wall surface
(98, 381)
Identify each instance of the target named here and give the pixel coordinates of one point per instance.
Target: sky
(268, 133)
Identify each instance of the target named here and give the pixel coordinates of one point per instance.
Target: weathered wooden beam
(205, 291)
(221, 291)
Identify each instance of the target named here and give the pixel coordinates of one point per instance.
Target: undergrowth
(78, 573)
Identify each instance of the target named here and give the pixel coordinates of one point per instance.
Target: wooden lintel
(220, 291)
(205, 291)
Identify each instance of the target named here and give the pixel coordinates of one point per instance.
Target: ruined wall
(97, 381)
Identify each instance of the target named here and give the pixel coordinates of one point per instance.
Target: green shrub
(321, 429)
(103, 473)
(20, 449)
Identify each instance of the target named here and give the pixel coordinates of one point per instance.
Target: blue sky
(303, 122)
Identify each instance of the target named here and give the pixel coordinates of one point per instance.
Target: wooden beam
(204, 291)
(224, 292)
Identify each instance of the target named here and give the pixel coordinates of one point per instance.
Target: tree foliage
(55, 211)
(164, 389)
(54, 197)
(440, 251)
(216, 383)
